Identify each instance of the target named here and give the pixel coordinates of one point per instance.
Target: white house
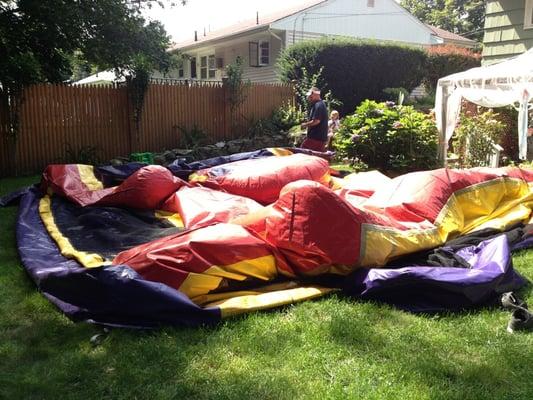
(259, 41)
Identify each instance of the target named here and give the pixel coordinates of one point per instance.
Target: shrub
(508, 116)
(388, 137)
(82, 155)
(262, 127)
(446, 60)
(475, 137)
(398, 95)
(192, 138)
(353, 70)
(307, 81)
(281, 120)
(287, 116)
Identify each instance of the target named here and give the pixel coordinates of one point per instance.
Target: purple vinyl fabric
(114, 296)
(435, 289)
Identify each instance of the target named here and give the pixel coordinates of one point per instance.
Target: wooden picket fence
(59, 123)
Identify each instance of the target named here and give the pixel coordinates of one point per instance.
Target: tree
(40, 41)
(458, 16)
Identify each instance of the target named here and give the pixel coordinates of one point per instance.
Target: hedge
(354, 70)
(446, 60)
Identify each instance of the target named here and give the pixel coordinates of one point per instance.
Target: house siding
(385, 21)
(299, 36)
(230, 52)
(505, 35)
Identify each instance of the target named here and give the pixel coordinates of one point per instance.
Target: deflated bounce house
(143, 246)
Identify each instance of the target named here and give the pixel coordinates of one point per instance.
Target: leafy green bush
(192, 138)
(398, 95)
(262, 127)
(281, 120)
(82, 155)
(446, 60)
(353, 70)
(388, 137)
(475, 137)
(287, 116)
(307, 81)
(508, 116)
(296, 135)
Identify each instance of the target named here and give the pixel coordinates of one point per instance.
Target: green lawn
(331, 348)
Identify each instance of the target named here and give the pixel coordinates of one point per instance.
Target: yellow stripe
(337, 183)
(173, 218)
(87, 177)
(263, 268)
(279, 151)
(498, 203)
(88, 260)
(520, 213)
(326, 179)
(266, 297)
(380, 245)
(194, 177)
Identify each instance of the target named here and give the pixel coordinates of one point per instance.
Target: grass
(333, 348)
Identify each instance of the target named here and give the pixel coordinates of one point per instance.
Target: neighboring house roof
(266, 20)
(449, 36)
(248, 25)
(101, 77)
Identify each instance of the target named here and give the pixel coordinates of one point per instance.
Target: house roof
(265, 21)
(248, 25)
(447, 35)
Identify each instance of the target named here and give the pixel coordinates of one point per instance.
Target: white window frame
(260, 55)
(208, 68)
(203, 67)
(528, 14)
(211, 67)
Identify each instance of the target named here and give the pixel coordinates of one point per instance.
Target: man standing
(317, 124)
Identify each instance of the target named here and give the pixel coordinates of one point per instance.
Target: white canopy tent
(509, 82)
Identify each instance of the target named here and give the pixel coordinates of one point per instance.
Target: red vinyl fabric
(263, 179)
(200, 206)
(147, 188)
(233, 244)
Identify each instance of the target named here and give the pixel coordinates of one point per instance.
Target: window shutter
(528, 14)
(253, 54)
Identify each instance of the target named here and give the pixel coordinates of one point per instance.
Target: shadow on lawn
(451, 363)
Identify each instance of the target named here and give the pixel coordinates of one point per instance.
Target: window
(212, 67)
(208, 67)
(181, 74)
(528, 15)
(370, 3)
(203, 67)
(264, 53)
(193, 68)
(259, 53)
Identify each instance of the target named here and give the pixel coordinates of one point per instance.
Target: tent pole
(442, 133)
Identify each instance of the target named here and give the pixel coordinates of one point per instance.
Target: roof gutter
(254, 29)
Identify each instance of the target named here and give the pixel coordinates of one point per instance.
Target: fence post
(12, 109)
(226, 110)
(133, 134)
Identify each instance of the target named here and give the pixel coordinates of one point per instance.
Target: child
(333, 125)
